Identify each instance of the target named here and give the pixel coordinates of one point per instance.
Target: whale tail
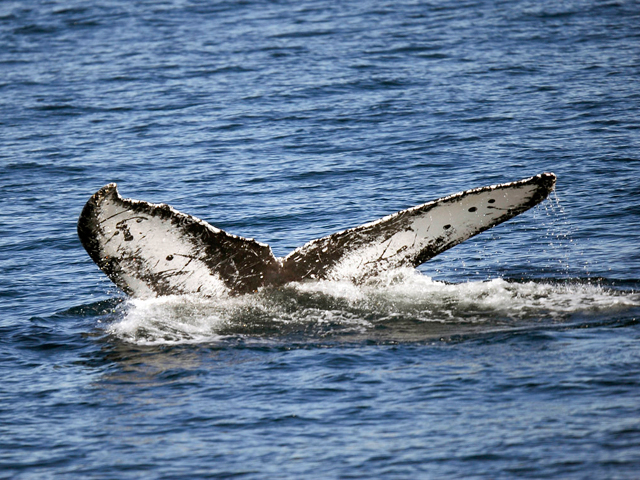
(152, 249)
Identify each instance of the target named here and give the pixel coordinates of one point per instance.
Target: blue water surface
(513, 355)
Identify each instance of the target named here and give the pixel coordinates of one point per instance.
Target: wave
(404, 306)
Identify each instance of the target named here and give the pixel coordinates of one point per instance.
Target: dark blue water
(514, 355)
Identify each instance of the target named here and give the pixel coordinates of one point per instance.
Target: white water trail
(334, 307)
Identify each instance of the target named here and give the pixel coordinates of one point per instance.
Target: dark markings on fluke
(151, 249)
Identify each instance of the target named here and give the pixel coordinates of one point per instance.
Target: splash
(402, 305)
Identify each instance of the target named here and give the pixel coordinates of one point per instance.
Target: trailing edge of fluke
(151, 249)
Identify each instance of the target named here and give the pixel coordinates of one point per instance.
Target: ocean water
(513, 355)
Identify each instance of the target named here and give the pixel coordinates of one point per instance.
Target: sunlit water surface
(513, 355)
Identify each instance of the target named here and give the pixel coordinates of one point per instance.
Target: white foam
(169, 319)
(320, 308)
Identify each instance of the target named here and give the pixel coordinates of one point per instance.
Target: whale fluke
(151, 249)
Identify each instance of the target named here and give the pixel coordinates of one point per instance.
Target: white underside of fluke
(154, 244)
(151, 249)
(447, 224)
